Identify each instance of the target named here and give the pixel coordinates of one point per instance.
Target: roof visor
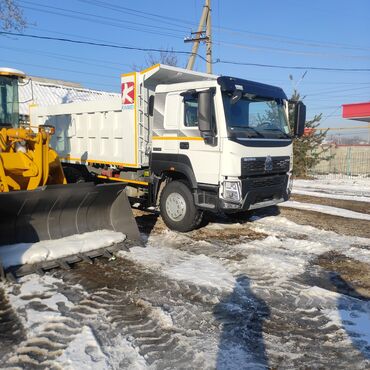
(230, 84)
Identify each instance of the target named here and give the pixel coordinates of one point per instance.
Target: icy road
(286, 288)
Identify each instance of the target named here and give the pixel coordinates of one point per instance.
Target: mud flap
(56, 211)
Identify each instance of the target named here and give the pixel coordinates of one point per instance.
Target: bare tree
(164, 57)
(11, 16)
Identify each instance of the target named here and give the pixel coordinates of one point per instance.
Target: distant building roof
(43, 91)
(357, 111)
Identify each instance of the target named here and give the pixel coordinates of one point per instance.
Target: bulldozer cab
(9, 97)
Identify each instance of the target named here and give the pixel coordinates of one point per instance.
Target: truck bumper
(259, 192)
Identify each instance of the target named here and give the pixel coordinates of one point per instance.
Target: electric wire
(114, 46)
(258, 35)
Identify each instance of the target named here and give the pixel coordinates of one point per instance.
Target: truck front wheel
(178, 210)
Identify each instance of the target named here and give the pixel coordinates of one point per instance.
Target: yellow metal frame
(184, 138)
(12, 74)
(137, 182)
(31, 163)
(136, 164)
(68, 158)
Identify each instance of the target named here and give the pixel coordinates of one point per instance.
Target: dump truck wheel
(178, 210)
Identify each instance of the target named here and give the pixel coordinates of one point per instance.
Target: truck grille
(260, 182)
(259, 166)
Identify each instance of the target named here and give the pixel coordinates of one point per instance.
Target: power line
(101, 20)
(218, 61)
(137, 13)
(114, 46)
(69, 58)
(61, 69)
(250, 47)
(272, 37)
(331, 114)
(108, 21)
(293, 52)
(327, 92)
(293, 67)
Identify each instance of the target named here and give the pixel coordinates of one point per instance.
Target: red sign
(128, 93)
(357, 110)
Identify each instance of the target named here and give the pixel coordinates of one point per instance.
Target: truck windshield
(9, 104)
(257, 117)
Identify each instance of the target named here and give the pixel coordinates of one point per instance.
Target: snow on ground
(317, 241)
(83, 353)
(44, 291)
(22, 253)
(318, 194)
(179, 265)
(351, 186)
(261, 300)
(325, 209)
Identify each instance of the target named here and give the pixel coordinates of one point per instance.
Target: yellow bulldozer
(36, 203)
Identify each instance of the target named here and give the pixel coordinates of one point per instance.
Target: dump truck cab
(230, 138)
(9, 101)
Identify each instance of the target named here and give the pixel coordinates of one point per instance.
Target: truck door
(204, 158)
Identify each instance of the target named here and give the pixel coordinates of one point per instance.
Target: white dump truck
(189, 142)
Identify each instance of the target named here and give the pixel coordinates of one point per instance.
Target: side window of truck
(191, 112)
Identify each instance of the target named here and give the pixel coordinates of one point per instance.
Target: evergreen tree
(307, 150)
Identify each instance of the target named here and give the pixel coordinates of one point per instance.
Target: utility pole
(202, 35)
(209, 40)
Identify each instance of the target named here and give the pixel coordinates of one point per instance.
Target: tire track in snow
(11, 328)
(160, 318)
(45, 313)
(275, 266)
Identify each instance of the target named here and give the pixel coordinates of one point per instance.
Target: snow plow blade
(57, 211)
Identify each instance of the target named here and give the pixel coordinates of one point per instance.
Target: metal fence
(346, 161)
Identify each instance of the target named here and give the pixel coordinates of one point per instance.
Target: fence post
(349, 161)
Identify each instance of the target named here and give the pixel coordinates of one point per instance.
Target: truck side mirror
(299, 118)
(205, 99)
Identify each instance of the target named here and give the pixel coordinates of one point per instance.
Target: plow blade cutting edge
(57, 211)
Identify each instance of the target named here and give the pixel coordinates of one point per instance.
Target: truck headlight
(232, 191)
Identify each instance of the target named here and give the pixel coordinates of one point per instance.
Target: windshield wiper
(287, 136)
(250, 128)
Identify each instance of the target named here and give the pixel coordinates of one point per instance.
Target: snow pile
(47, 250)
(325, 209)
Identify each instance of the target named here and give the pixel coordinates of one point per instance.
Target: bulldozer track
(13, 273)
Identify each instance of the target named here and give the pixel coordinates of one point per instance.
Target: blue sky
(311, 33)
